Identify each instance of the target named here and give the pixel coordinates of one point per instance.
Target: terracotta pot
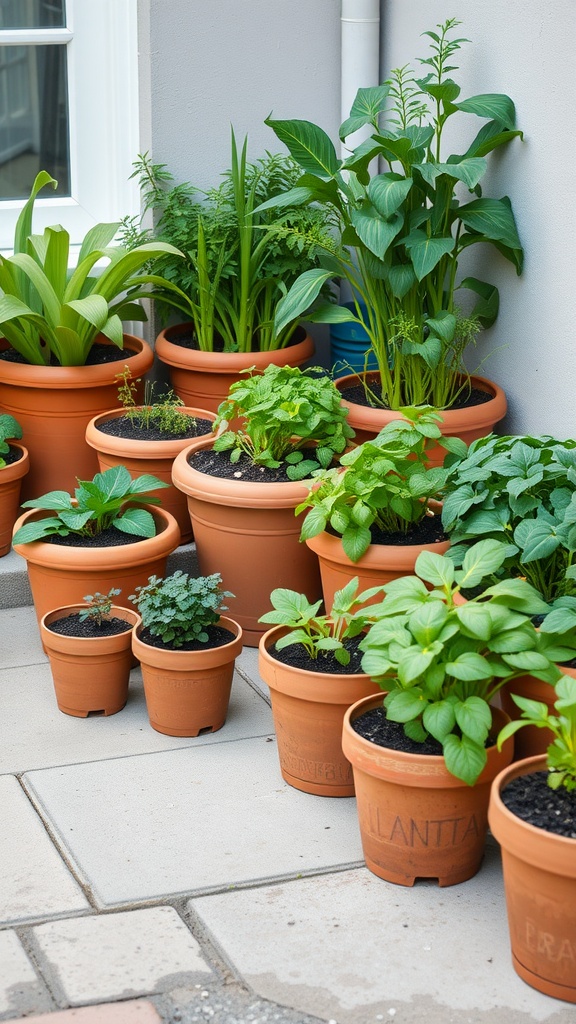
(90, 674)
(187, 692)
(530, 740)
(468, 424)
(155, 457)
(308, 710)
(61, 575)
(416, 819)
(203, 379)
(54, 404)
(11, 477)
(248, 532)
(540, 885)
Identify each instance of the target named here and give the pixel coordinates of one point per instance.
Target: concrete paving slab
(14, 586)
(215, 816)
(34, 881)
(19, 638)
(136, 1011)
(354, 949)
(21, 992)
(247, 666)
(118, 956)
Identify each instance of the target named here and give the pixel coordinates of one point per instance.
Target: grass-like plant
(180, 608)
(162, 412)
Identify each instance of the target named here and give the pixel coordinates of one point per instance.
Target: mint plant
(561, 754)
(107, 500)
(98, 606)
(180, 608)
(10, 429)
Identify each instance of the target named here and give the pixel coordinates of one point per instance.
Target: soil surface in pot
(98, 354)
(110, 538)
(357, 395)
(325, 664)
(73, 626)
(218, 464)
(375, 727)
(530, 798)
(427, 531)
(124, 426)
(187, 339)
(11, 456)
(217, 637)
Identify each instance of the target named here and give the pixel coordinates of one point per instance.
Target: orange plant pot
(61, 575)
(468, 424)
(155, 457)
(249, 534)
(203, 379)
(53, 405)
(188, 692)
(530, 740)
(308, 710)
(540, 886)
(90, 674)
(416, 819)
(11, 477)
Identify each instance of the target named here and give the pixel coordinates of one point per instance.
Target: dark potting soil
(427, 531)
(357, 395)
(187, 339)
(110, 538)
(530, 798)
(218, 636)
(97, 355)
(12, 455)
(123, 426)
(72, 626)
(375, 727)
(218, 464)
(325, 664)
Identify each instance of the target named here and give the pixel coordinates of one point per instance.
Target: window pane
(34, 132)
(32, 14)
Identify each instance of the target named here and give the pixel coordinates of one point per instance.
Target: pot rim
(112, 444)
(19, 468)
(230, 649)
(31, 376)
(268, 638)
(226, 362)
(131, 617)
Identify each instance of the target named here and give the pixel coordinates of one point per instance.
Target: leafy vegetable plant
(443, 662)
(180, 608)
(10, 429)
(98, 607)
(326, 634)
(282, 411)
(561, 754)
(97, 504)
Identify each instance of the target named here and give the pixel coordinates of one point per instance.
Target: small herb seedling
(163, 412)
(98, 607)
(561, 754)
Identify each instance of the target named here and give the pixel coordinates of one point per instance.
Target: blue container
(349, 344)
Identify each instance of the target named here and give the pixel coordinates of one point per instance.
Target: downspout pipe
(360, 47)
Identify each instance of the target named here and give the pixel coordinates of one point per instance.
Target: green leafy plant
(282, 411)
(99, 606)
(162, 412)
(387, 483)
(443, 661)
(321, 635)
(238, 264)
(9, 429)
(521, 491)
(405, 228)
(50, 313)
(561, 754)
(180, 608)
(107, 500)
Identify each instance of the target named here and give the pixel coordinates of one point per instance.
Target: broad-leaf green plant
(180, 608)
(10, 429)
(561, 754)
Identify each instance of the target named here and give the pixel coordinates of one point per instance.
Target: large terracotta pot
(248, 532)
(155, 457)
(308, 710)
(203, 379)
(540, 885)
(531, 740)
(90, 674)
(187, 692)
(11, 477)
(54, 404)
(468, 424)
(62, 575)
(416, 819)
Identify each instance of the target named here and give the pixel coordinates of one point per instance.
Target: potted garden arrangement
(274, 430)
(424, 757)
(63, 335)
(14, 464)
(187, 651)
(311, 662)
(373, 519)
(147, 438)
(404, 230)
(532, 814)
(90, 650)
(102, 536)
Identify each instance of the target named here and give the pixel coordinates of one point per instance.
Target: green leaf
(387, 192)
(474, 718)
(311, 147)
(426, 252)
(494, 220)
(464, 759)
(495, 106)
(404, 705)
(469, 667)
(300, 297)
(439, 719)
(435, 569)
(481, 560)
(475, 620)
(486, 309)
(136, 521)
(376, 233)
(356, 541)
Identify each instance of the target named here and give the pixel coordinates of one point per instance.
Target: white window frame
(101, 37)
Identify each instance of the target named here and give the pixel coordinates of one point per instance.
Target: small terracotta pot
(416, 819)
(53, 405)
(90, 674)
(540, 885)
(203, 379)
(531, 740)
(248, 532)
(11, 477)
(468, 424)
(308, 710)
(187, 692)
(62, 575)
(155, 457)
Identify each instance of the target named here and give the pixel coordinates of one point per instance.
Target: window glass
(32, 14)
